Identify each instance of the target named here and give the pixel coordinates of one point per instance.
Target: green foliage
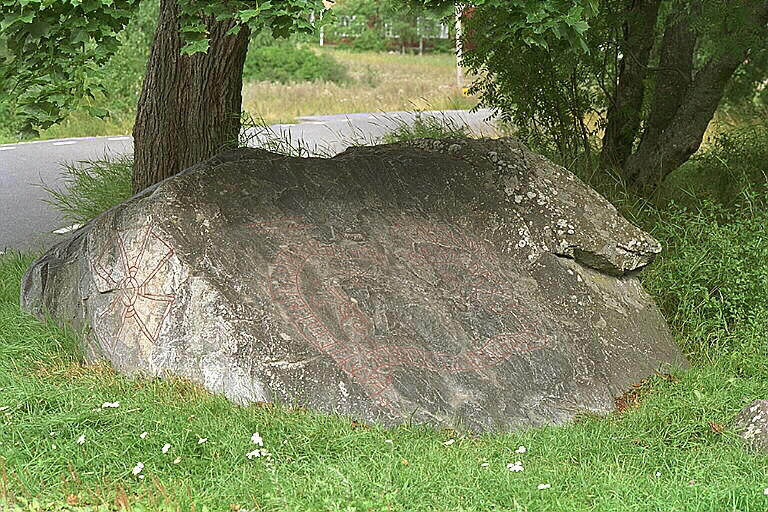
(92, 187)
(287, 63)
(426, 127)
(377, 25)
(537, 68)
(123, 74)
(551, 67)
(369, 40)
(733, 169)
(712, 280)
(54, 52)
(55, 49)
(7, 131)
(282, 18)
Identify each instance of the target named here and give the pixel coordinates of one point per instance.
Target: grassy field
(169, 445)
(381, 82)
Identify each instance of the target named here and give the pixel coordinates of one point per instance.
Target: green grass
(670, 449)
(92, 187)
(426, 127)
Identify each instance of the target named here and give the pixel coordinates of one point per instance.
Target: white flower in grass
(143, 435)
(765, 491)
(137, 468)
(658, 474)
(202, 440)
(166, 447)
(521, 449)
(53, 446)
(81, 439)
(449, 442)
(389, 441)
(110, 405)
(516, 467)
(484, 465)
(259, 452)
(541, 487)
(256, 439)
(177, 460)
(53, 434)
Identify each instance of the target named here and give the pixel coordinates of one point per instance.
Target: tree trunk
(623, 118)
(672, 78)
(189, 107)
(677, 135)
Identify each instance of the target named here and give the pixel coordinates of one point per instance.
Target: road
(28, 223)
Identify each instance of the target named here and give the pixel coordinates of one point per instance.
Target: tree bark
(623, 118)
(190, 106)
(678, 135)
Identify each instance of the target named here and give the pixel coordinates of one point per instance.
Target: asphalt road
(27, 222)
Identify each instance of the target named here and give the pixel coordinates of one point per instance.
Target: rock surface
(752, 425)
(465, 283)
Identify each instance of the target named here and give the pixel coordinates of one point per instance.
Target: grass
(92, 187)
(380, 83)
(669, 448)
(426, 127)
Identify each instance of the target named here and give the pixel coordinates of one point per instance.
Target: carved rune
(136, 278)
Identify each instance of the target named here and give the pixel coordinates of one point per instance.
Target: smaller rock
(752, 425)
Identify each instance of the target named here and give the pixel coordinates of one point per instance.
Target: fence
(420, 32)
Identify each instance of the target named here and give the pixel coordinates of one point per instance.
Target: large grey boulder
(464, 283)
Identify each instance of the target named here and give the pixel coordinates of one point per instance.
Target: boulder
(465, 283)
(752, 425)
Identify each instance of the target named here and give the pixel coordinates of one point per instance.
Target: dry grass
(380, 83)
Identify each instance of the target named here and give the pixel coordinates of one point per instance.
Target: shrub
(369, 41)
(735, 163)
(7, 133)
(290, 64)
(712, 278)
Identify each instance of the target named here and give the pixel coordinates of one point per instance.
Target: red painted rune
(328, 292)
(135, 271)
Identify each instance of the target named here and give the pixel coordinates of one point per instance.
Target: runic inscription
(316, 285)
(135, 270)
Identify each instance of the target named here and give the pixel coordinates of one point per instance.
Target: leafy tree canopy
(643, 78)
(54, 48)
